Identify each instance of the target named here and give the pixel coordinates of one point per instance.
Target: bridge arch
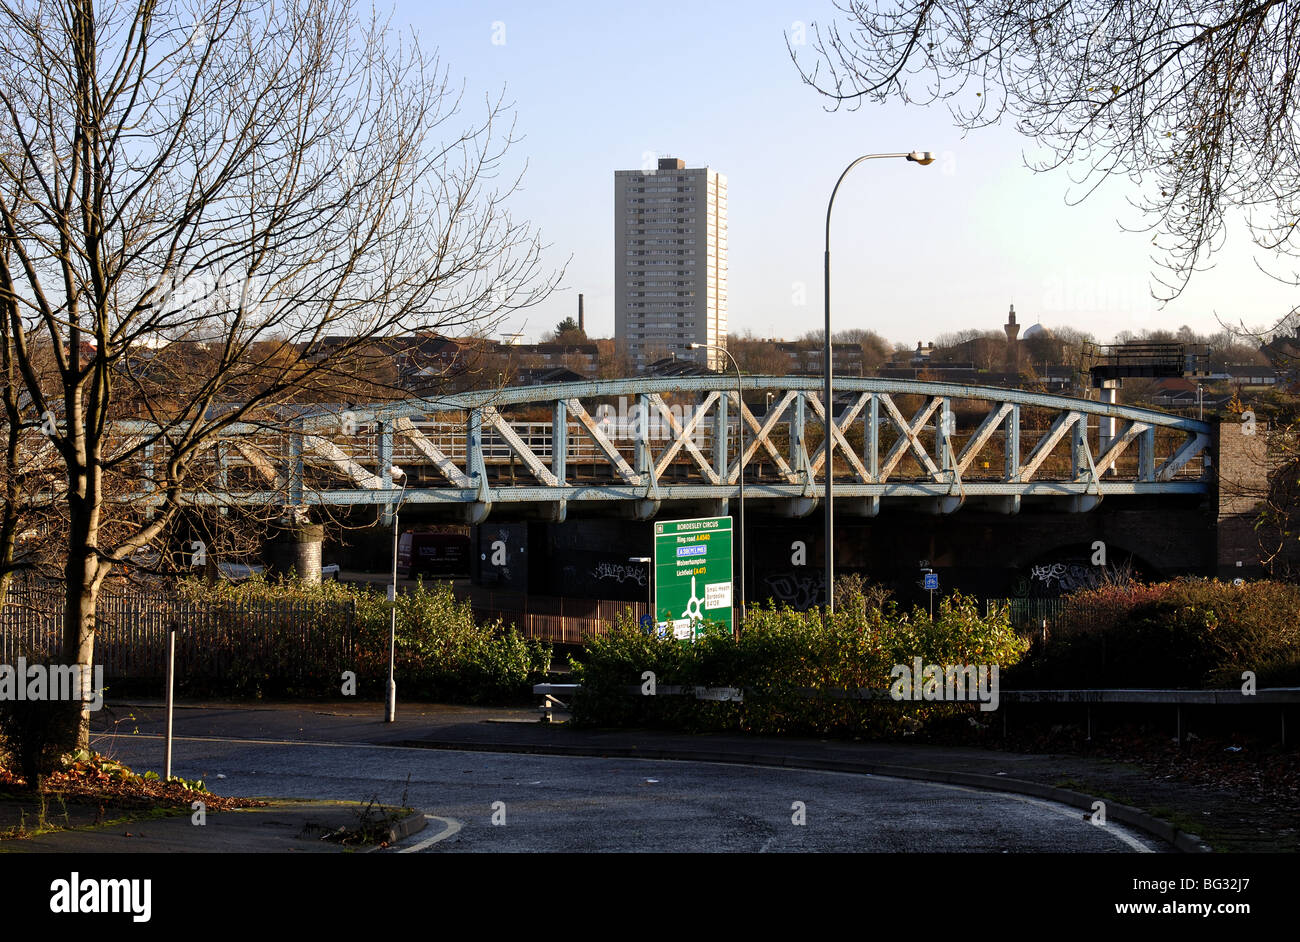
(641, 447)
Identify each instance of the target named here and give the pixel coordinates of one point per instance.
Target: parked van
(424, 553)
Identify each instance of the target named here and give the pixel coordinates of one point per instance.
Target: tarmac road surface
(493, 802)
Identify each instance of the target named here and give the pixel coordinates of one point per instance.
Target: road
(492, 802)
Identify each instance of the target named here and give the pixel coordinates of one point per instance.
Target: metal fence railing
(292, 640)
(1028, 613)
(554, 618)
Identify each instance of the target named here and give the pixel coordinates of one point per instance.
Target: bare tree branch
(194, 198)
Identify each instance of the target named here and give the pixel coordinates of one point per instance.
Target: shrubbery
(28, 731)
(264, 638)
(794, 667)
(308, 635)
(29, 728)
(443, 653)
(1195, 633)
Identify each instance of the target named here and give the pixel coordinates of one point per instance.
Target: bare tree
(757, 356)
(1195, 101)
(257, 180)
(875, 348)
(613, 360)
(29, 471)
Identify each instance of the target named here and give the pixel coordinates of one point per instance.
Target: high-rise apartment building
(670, 262)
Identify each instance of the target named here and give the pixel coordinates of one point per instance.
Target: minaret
(1012, 361)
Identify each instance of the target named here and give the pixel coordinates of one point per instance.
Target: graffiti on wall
(799, 590)
(1066, 577)
(620, 572)
(1060, 578)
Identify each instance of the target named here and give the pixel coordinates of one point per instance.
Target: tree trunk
(8, 531)
(9, 519)
(81, 587)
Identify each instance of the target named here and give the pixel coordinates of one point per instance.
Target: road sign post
(693, 575)
(931, 583)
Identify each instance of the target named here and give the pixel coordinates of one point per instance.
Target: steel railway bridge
(636, 448)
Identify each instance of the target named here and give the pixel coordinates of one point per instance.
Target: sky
(917, 252)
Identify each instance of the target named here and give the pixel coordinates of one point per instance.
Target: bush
(794, 667)
(265, 638)
(29, 730)
(443, 653)
(282, 638)
(1193, 633)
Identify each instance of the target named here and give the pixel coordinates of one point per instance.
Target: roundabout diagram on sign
(693, 607)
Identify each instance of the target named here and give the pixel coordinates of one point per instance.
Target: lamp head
(922, 157)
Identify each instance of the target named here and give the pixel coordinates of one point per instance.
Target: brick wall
(1243, 464)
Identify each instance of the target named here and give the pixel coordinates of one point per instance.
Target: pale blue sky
(917, 252)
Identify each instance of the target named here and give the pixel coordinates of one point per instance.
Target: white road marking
(1068, 811)
(451, 827)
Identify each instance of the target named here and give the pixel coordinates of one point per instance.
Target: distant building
(1012, 362)
(1060, 377)
(670, 262)
(545, 375)
(672, 366)
(579, 357)
(418, 357)
(805, 359)
(1248, 374)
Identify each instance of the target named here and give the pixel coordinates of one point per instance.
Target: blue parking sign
(931, 580)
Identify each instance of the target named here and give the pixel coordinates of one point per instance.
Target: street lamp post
(649, 586)
(740, 420)
(390, 712)
(920, 157)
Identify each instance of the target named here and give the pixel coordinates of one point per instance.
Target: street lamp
(649, 586)
(740, 420)
(390, 713)
(924, 158)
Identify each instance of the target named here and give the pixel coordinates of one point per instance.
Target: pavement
(284, 826)
(296, 826)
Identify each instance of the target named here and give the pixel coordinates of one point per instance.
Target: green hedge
(780, 655)
(442, 653)
(1192, 633)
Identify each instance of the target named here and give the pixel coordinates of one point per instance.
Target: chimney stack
(581, 325)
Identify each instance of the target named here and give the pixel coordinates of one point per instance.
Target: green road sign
(692, 574)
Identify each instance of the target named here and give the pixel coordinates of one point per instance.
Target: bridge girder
(638, 447)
